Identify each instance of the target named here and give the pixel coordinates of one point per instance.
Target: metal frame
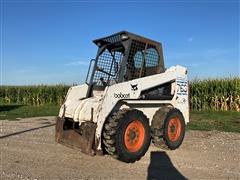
(89, 68)
(125, 40)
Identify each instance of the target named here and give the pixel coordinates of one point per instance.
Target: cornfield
(210, 94)
(215, 94)
(33, 95)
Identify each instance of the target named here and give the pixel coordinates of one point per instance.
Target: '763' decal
(181, 87)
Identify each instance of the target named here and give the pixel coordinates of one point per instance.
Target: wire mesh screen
(112, 39)
(138, 66)
(151, 58)
(107, 64)
(135, 59)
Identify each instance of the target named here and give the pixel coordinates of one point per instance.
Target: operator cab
(122, 57)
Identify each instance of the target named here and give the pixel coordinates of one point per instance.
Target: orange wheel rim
(174, 129)
(134, 136)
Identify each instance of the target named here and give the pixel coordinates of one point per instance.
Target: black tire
(115, 133)
(161, 137)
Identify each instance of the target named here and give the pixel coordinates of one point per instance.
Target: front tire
(126, 135)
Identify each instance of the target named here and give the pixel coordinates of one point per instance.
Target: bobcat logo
(134, 87)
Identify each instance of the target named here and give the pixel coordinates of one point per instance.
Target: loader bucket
(76, 138)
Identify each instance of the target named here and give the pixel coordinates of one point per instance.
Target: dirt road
(28, 151)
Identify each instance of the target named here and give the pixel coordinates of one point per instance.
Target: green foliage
(209, 94)
(14, 111)
(227, 121)
(33, 95)
(215, 94)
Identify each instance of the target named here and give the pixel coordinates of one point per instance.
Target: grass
(206, 120)
(14, 111)
(227, 121)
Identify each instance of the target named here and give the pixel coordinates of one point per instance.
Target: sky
(50, 42)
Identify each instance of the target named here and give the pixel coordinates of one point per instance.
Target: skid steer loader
(128, 100)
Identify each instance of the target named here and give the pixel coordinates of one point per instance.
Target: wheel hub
(174, 129)
(134, 136)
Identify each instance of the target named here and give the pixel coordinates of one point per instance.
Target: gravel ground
(28, 151)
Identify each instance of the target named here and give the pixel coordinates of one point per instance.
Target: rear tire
(126, 135)
(168, 128)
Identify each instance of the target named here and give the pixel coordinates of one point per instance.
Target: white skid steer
(128, 100)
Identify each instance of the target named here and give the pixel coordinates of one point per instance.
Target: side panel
(131, 90)
(181, 99)
(72, 100)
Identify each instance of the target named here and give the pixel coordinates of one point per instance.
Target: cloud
(25, 77)
(213, 54)
(194, 65)
(27, 69)
(190, 39)
(217, 52)
(77, 63)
